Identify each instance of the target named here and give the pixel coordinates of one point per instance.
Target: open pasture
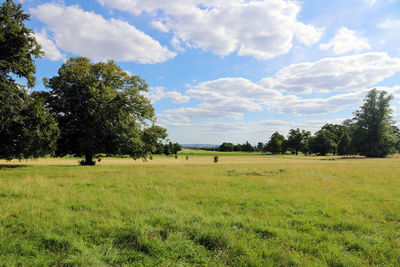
(248, 209)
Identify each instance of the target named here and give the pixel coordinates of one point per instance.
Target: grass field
(248, 210)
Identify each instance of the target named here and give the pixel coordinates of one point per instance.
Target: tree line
(371, 133)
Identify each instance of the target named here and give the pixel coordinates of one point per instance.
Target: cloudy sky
(233, 70)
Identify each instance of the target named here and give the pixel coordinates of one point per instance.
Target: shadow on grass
(11, 166)
(341, 158)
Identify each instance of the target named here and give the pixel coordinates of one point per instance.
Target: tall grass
(245, 210)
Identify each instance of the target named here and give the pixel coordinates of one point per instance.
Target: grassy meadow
(245, 210)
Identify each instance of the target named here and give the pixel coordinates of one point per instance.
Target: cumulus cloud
(349, 77)
(261, 29)
(339, 74)
(214, 106)
(48, 46)
(319, 106)
(157, 93)
(390, 24)
(346, 41)
(89, 34)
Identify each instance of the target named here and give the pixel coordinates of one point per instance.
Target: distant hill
(198, 145)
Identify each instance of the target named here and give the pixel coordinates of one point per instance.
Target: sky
(233, 70)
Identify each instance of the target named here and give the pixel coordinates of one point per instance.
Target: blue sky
(233, 70)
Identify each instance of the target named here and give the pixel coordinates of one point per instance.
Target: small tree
(373, 121)
(176, 148)
(247, 147)
(260, 146)
(276, 143)
(101, 109)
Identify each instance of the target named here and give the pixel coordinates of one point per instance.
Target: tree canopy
(101, 109)
(276, 144)
(323, 143)
(26, 127)
(373, 126)
(297, 139)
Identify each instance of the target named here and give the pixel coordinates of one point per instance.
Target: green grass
(245, 210)
(190, 152)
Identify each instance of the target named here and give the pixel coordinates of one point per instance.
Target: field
(245, 210)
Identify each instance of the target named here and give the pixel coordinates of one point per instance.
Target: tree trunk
(89, 159)
(297, 152)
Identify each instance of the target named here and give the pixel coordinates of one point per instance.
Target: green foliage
(297, 140)
(323, 143)
(18, 46)
(276, 144)
(26, 127)
(226, 147)
(101, 109)
(336, 129)
(344, 146)
(373, 121)
(247, 147)
(170, 148)
(260, 146)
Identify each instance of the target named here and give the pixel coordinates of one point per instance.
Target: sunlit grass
(244, 210)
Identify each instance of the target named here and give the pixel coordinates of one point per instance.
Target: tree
(296, 139)
(247, 147)
(336, 129)
(26, 127)
(176, 148)
(101, 109)
(226, 147)
(260, 146)
(344, 145)
(276, 143)
(396, 132)
(373, 121)
(322, 143)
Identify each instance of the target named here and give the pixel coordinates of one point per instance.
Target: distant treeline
(370, 133)
(167, 149)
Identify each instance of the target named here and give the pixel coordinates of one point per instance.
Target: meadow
(245, 210)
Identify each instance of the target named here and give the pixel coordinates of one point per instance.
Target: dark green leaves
(101, 109)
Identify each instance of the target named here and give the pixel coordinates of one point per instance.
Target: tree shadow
(11, 166)
(344, 157)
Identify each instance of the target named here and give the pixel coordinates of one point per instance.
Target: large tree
(101, 109)
(26, 127)
(373, 133)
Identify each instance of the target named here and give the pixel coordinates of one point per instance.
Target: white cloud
(157, 93)
(339, 74)
(233, 87)
(261, 29)
(48, 46)
(214, 106)
(318, 106)
(390, 24)
(346, 41)
(234, 97)
(89, 34)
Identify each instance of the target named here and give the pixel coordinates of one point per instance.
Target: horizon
(233, 71)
